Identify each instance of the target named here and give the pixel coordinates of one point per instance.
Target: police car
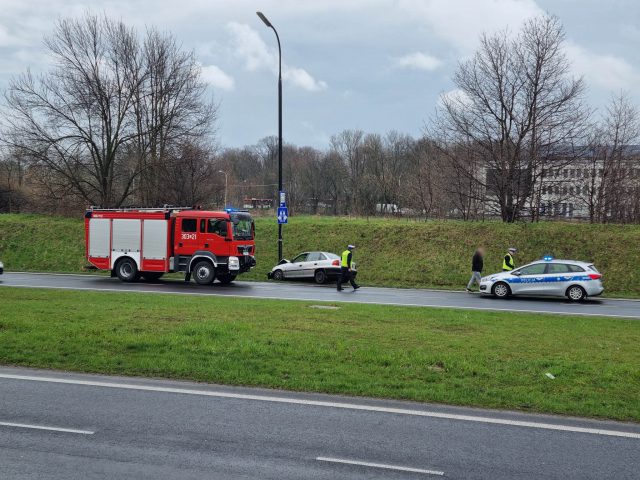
(550, 277)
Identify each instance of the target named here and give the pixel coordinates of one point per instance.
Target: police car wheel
(576, 293)
(320, 277)
(501, 290)
(278, 275)
(204, 273)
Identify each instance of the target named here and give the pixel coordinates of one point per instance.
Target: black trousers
(345, 275)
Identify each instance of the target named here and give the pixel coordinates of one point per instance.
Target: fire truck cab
(148, 242)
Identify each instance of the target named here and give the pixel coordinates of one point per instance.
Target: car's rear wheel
(278, 275)
(204, 272)
(576, 293)
(320, 277)
(127, 270)
(501, 290)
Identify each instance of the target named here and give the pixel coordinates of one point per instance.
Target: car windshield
(242, 227)
(300, 258)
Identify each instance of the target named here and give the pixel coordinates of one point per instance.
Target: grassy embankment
(484, 359)
(390, 252)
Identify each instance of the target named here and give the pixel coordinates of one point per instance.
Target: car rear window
(576, 268)
(591, 267)
(333, 256)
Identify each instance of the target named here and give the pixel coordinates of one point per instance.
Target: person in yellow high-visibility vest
(345, 268)
(508, 263)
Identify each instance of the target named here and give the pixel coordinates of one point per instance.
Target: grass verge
(391, 252)
(485, 359)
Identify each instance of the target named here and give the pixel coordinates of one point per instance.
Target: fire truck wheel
(127, 270)
(204, 272)
(152, 276)
(226, 278)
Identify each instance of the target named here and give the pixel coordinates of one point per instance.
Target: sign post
(283, 217)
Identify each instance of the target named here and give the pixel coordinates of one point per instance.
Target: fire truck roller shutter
(154, 244)
(99, 234)
(125, 240)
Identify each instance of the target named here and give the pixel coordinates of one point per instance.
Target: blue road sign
(283, 215)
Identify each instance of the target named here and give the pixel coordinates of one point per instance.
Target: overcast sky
(376, 65)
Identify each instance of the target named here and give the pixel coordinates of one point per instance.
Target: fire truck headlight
(234, 263)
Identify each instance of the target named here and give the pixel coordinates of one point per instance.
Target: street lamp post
(268, 24)
(226, 184)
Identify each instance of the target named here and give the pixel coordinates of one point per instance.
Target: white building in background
(571, 189)
(568, 191)
(565, 191)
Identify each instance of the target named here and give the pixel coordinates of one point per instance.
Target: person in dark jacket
(477, 264)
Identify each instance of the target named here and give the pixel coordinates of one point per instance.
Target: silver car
(321, 266)
(573, 279)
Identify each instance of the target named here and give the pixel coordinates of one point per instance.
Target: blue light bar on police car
(547, 258)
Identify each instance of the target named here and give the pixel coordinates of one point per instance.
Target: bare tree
(423, 189)
(347, 145)
(12, 181)
(609, 190)
(108, 105)
(516, 104)
(74, 120)
(188, 175)
(170, 109)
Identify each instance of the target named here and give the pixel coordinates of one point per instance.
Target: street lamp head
(221, 171)
(264, 19)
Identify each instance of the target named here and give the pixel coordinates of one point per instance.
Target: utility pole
(268, 24)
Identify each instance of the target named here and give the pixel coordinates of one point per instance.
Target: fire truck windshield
(242, 227)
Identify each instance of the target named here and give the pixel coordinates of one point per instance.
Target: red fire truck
(149, 242)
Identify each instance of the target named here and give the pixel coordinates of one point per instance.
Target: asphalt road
(326, 293)
(69, 426)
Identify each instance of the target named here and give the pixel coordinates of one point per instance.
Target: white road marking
(328, 404)
(364, 301)
(379, 465)
(43, 427)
